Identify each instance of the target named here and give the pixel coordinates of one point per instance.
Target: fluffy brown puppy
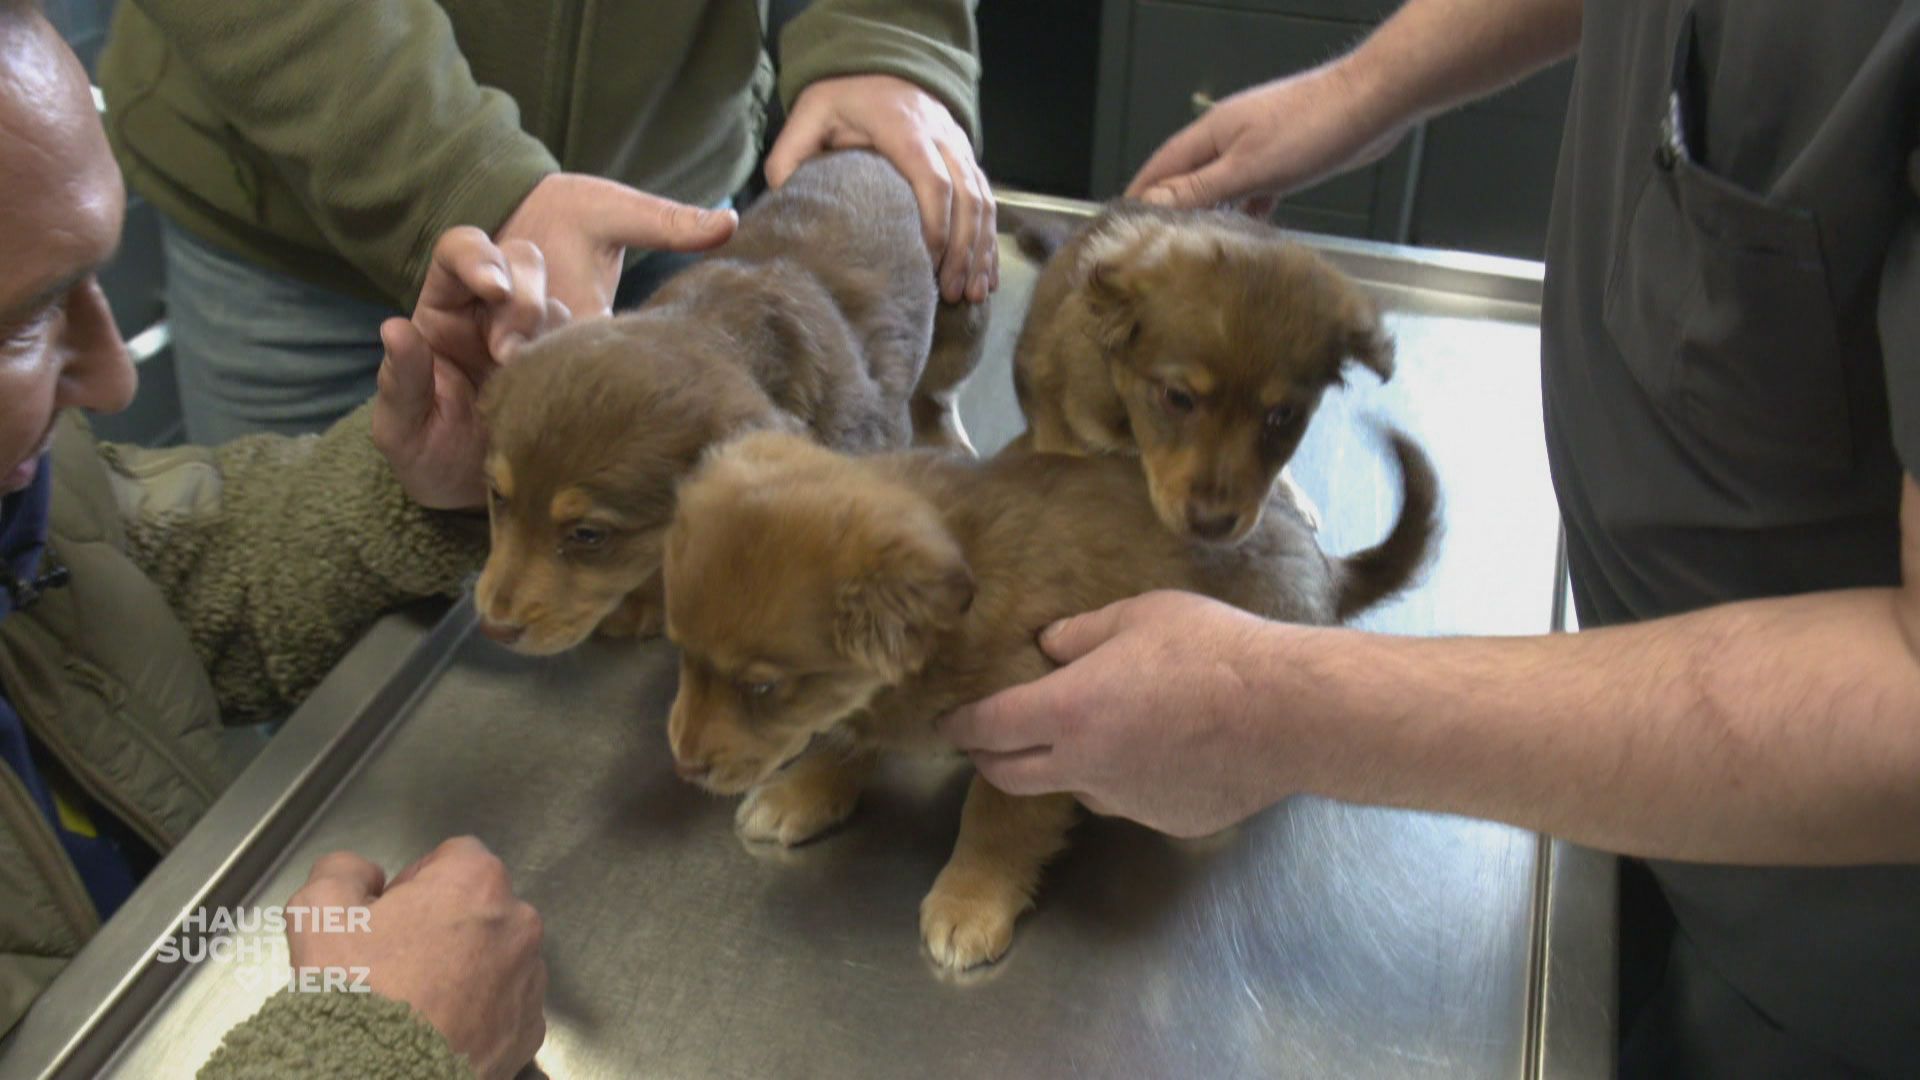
(818, 316)
(828, 608)
(1200, 340)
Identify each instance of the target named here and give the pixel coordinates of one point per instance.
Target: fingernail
(1051, 634)
(501, 279)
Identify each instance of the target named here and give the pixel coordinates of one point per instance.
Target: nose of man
(96, 372)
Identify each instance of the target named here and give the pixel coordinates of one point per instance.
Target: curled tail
(1370, 576)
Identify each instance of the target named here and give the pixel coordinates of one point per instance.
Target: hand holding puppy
(446, 936)
(584, 225)
(480, 302)
(913, 130)
(1153, 717)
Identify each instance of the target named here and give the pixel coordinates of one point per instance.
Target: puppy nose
(689, 771)
(1210, 525)
(504, 633)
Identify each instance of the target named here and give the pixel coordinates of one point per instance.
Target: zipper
(43, 849)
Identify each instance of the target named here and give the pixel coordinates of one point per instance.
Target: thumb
(1070, 639)
(800, 138)
(1210, 185)
(345, 878)
(406, 375)
(635, 219)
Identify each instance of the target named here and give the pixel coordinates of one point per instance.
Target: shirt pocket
(1719, 303)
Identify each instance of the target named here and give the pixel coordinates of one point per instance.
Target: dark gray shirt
(1731, 346)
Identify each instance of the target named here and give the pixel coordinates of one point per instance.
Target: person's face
(61, 205)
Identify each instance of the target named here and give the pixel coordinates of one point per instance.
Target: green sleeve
(368, 110)
(306, 1035)
(930, 43)
(277, 553)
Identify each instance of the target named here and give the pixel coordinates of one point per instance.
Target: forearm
(1777, 731)
(368, 112)
(1435, 54)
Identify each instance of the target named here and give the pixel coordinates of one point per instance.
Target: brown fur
(1200, 340)
(817, 317)
(828, 607)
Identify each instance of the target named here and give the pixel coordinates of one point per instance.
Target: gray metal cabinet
(1479, 179)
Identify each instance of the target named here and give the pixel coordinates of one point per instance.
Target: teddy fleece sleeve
(307, 1036)
(370, 112)
(933, 44)
(277, 553)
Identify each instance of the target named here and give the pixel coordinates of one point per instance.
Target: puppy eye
(586, 536)
(494, 497)
(759, 689)
(1176, 400)
(1280, 415)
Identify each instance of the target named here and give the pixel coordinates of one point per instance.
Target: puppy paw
(789, 813)
(964, 928)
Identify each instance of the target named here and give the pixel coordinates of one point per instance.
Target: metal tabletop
(1318, 939)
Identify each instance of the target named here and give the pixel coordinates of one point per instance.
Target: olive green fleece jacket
(208, 588)
(335, 140)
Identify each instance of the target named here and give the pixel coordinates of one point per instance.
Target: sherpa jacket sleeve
(370, 113)
(302, 1036)
(277, 553)
(933, 44)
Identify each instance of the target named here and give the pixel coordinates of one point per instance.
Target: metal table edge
(73, 1028)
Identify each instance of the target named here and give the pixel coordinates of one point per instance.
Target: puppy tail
(1037, 240)
(1370, 576)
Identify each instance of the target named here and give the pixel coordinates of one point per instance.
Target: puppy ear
(1363, 337)
(1113, 295)
(909, 590)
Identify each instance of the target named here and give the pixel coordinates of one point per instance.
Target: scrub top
(1731, 372)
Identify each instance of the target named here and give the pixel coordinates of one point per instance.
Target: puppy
(1199, 340)
(828, 608)
(817, 317)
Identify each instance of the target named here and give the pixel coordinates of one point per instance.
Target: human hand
(1152, 717)
(447, 937)
(584, 225)
(480, 302)
(1267, 141)
(913, 130)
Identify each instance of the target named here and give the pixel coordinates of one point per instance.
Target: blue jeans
(258, 351)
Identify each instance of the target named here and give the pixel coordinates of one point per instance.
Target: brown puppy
(828, 608)
(817, 317)
(1200, 340)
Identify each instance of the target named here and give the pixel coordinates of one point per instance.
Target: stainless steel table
(1316, 940)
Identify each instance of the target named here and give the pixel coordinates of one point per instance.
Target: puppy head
(799, 585)
(1220, 338)
(588, 432)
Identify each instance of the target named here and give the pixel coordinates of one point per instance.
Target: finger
(985, 236)
(517, 320)
(465, 265)
(1070, 639)
(557, 314)
(635, 219)
(914, 155)
(450, 851)
(1016, 719)
(1190, 148)
(1025, 772)
(801, 137)
(1214, 183)
(963, 220)
(351, 878)
(406, 374)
